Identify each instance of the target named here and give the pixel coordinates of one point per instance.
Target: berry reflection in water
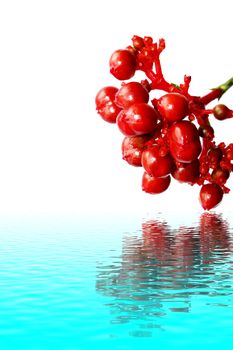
(164, 270)
(176, 125)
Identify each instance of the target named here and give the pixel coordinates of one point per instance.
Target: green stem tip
(225, 86)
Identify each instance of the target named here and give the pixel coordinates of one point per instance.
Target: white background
(57, 156)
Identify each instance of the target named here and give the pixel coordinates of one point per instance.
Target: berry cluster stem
(217, 92)
(158, 82)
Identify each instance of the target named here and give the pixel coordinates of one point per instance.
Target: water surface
(119, 282)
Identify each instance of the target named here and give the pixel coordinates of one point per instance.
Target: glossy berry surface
(220, 175)
(105, 95)
(122, 64)
(105, 104)
(210, 195)
(183, 133)
(185, 153)
(171, 135)
(155, 164)
(221, 112)
(131, 93)
(132, 149)
(184, 141)
(109, 112)
(155, 185)
(138, 119)
(187, 172)
(173, 106)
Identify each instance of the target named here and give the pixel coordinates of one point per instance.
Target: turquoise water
(116, 283)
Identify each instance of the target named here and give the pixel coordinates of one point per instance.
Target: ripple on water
(113, 287)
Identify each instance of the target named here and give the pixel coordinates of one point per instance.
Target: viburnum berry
(171, 135)
(221, 112)
(131, 93)
(155, 164)
(155, 185)
(105, 95)
(173, 106)
(105, 104)
(122, 64)
(184, 141)
(132, 149)
(183, 133)
(185, 153)
(138, 119)
(187, 172)
(210, 195)
(220, 175)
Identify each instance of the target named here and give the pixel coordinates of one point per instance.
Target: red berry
(185, 153)
(221, 112)
(138, 119)
(109, 112)
(132, 148)
(173, 106)
(187, 172)
(184, 141)
(131, 93)
(124, 124)
(105, 104)
(155, 164)
(122, 64)
(183, 132)
(155, 185)
(220, 175)
(105, 95)
(210, 195)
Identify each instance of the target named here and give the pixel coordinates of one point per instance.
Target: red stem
(158, 65)
(158, 82)
(215, 93)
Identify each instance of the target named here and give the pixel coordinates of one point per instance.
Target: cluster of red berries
(171, 135)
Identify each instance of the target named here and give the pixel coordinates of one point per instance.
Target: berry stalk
(217, 92)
